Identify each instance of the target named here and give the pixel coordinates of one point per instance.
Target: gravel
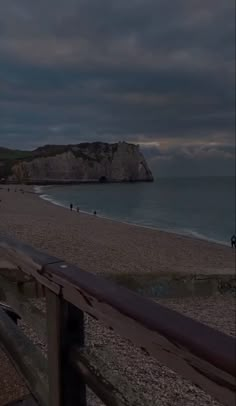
(105, 246)
(11, 385)
(157, 384)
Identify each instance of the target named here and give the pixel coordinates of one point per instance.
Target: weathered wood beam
(26, 357)
(26, 252)
(196, 351)
(27, 284)
(6, 265)
(27, 259)
(112, 389)
(28, 312)
(26, 401)
(54, 333)
(28, 267)
(10, 312)
(65, 328)
(31, 288)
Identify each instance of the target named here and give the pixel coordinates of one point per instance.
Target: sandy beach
(106, 247)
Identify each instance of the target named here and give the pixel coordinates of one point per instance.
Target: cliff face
(83, 163)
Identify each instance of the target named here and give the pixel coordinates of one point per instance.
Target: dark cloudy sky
(155, 72)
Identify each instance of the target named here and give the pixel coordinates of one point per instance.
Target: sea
(201, 207)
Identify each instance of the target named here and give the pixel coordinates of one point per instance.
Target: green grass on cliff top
(12, 155)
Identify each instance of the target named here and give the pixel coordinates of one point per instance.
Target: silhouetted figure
(77, 209)
(71, 207)
(233, 241)
(95, 213)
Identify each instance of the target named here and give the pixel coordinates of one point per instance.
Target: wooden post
(26, 357)
(75, 388)
(65, 329)
(54, 330)
(10, 312)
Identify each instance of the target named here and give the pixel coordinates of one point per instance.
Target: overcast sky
(155, 72)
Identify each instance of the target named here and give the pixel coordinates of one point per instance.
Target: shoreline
(54, 182)
(107, 246)
(190, 235)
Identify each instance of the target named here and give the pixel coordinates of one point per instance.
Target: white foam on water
(180, 231)
(38, 189)
(192, 233)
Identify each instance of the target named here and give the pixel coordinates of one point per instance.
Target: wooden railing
(197, 352)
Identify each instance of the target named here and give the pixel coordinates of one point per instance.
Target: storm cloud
(145, 71)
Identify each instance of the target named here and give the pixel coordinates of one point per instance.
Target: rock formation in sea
(86, 162)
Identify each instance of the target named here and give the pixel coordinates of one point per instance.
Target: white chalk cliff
(87, 162)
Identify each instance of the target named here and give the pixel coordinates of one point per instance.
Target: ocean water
(199, 207)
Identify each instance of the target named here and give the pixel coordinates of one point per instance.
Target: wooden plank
(37, 257)
(26, 259)
(10, 312)
(31, 289)
(7, 265)
(73, 334)
(112, 389)
(27, 401)
(65, 327)
(26, 357)
(27, 284)
(54, 331)
(198, 352)
(20, 262)
(146, 312)
(29, 313)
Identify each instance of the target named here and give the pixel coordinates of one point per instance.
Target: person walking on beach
(71, 207)
(95, 213)
(233, 241)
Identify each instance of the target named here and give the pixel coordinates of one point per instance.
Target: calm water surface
(201, 207)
